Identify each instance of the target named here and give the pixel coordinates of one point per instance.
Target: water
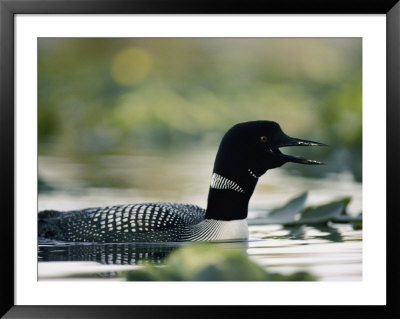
(333, 252)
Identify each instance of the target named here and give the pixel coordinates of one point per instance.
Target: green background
(124, 96)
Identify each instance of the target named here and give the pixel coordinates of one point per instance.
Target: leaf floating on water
(357, 222)
(294, 213)
(291, 208)
(283, 215)
(324, 213)
(347, 219)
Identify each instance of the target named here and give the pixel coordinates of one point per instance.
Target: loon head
(246, 152)
(254, 146)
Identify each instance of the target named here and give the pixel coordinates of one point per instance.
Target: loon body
(246, 152)
(148, 222)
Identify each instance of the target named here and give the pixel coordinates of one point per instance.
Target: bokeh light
(131, 65)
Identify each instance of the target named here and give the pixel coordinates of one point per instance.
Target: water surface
(332, 252)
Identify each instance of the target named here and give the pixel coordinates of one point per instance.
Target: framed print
(132, 131)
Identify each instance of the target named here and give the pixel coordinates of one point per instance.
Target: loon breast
(219, 230)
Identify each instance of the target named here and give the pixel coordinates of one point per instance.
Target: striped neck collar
(221, 182)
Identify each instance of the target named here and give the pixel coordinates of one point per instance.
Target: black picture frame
(8, 10)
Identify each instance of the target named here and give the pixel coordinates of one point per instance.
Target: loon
(246, 152)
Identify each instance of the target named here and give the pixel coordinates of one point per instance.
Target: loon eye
(263, 139)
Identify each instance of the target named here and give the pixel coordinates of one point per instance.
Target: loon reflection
(115, 253)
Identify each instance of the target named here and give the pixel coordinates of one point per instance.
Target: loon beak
(291, 141)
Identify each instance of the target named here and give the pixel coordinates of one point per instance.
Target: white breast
(224, 230)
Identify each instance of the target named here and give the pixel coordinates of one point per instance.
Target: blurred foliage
(118, 95)
(207, 262)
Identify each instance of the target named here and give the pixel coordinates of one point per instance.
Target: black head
(255, 146)
(246, 152)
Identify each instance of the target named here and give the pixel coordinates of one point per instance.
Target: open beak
(291, 141)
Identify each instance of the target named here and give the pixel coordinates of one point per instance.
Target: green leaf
(283, 215)
(324, 213)
(209, 262)
(355, 221)
(291, 208)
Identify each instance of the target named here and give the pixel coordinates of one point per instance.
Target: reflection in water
(115, 253)
(325, 232)
(120, 254)
(332, 233)
(141, 253)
